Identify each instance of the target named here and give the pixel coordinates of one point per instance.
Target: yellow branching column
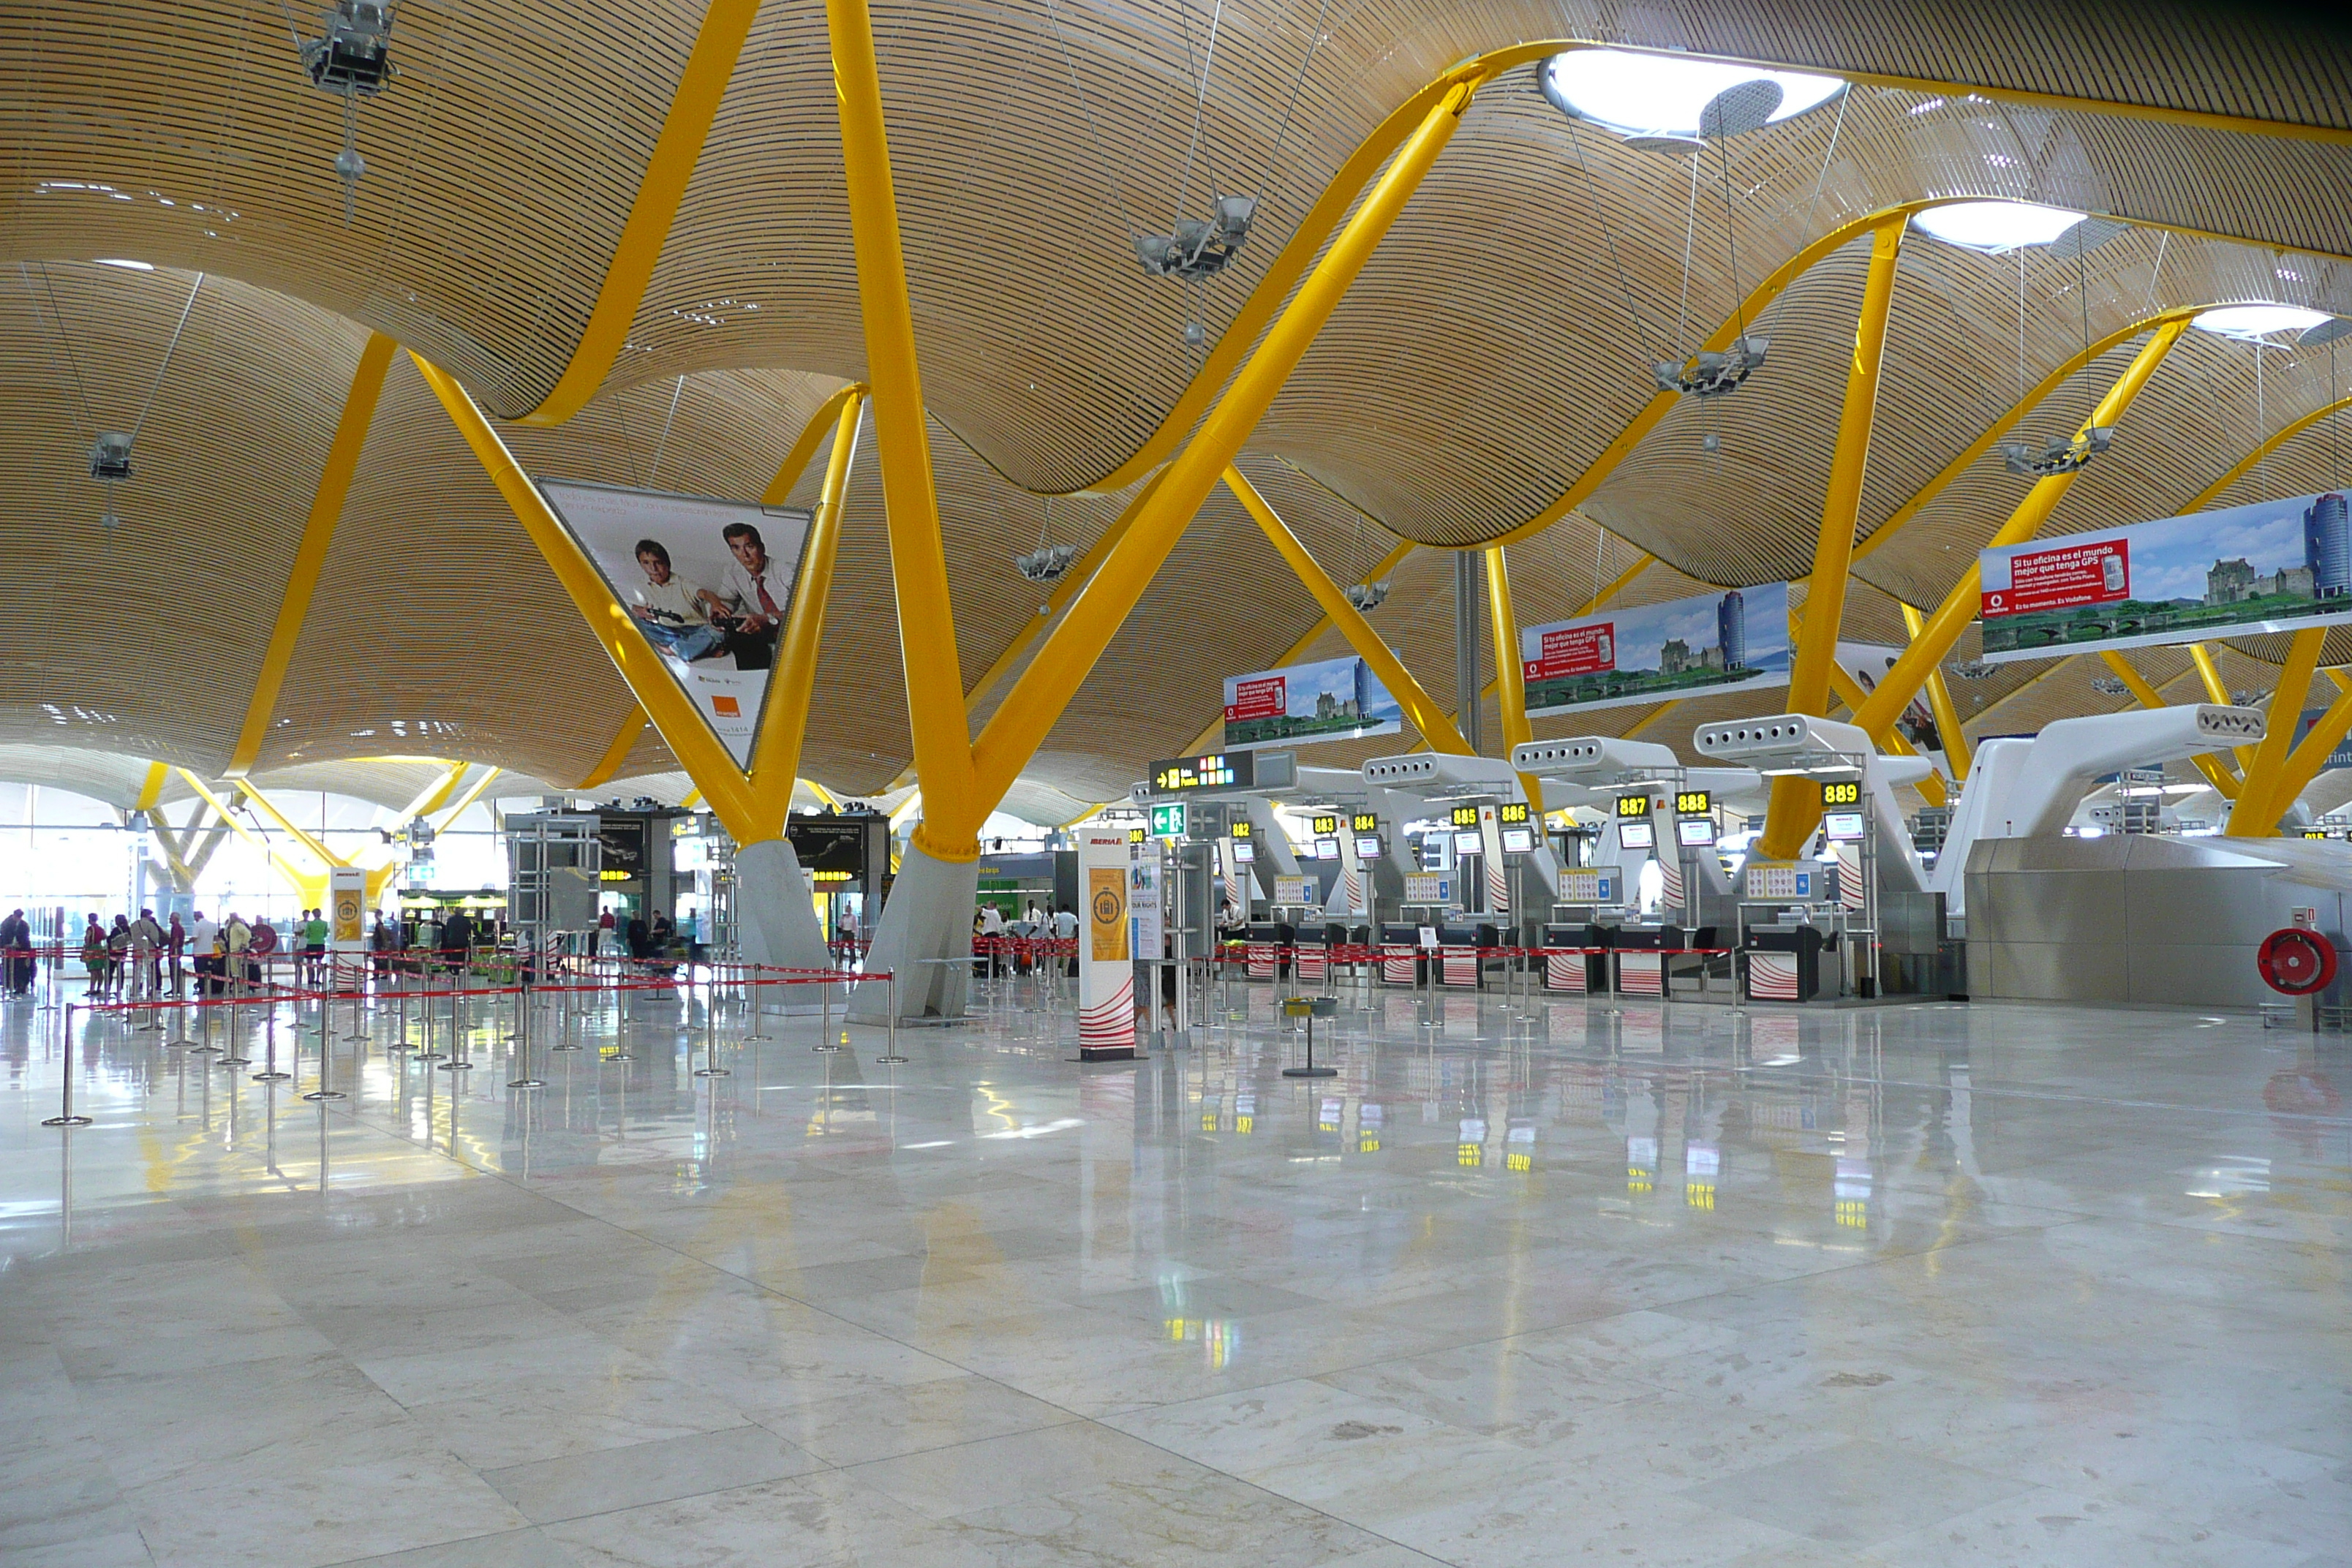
(2311, 753)
(2259, 806)
(1940, 703)
(1942, 629)
(1510, 675)
(1796, 803)
(919, 568)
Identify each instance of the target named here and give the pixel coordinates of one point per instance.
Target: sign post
(1106, 958)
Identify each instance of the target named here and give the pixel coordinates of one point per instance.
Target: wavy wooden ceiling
(1498, 341)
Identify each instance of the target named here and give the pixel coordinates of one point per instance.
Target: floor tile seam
(1071, 1418)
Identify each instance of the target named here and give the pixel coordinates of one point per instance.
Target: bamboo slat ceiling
(1497, 343)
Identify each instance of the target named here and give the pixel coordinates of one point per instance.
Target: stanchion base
(1310, 1072)
(713, 1072)
(758, 1039)
(618, 1056)
(890, 1058)
(67, 1121)
(233, 1062)
(181, 1044)
(457, 1066)
(563, 1047)
(271, 1077)
(208, 1050)
(526, 1083)
(428, 1056)
(824, 1048)
(326, 1094)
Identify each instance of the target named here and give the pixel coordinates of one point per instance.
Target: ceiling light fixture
(1047, 563)
(2059, 455)
(1971, 668)
(352, 60)
(2250, 322)
(2110, 685)
(1665, 96)
(1996, 228)
(1368, 597)
(1198, 249)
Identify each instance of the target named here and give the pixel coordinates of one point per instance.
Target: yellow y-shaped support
(1796, 802)
(2312, 752)
(1943, 628)
(1510, 674)
(1940, 703)
(1425, 714)
(2257, 812)
(2216, 771)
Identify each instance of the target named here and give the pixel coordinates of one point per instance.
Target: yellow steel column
(1510, 674)
(624, 743)
(1943, 628)
(2312, 752)
(311, 554)
(1036, 700)
(2257, 812)
(268, 808)
(313, 889)
(692, 740)
(1940, 703)
(820, 424)
(1849, 691)
(2216, 772)
(150, 789)
(1796, 802)
(1425, 714)
(783, 720)
(919, 568)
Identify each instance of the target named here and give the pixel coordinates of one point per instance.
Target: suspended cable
(1094, 133)
(169, 350)
(1731, 234)
(1200, 99)
(1322, 10)
(661, 446)
(1690, 229)
(1609, 237)
(65, 340)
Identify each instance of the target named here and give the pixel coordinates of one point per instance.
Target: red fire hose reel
(2296, 962)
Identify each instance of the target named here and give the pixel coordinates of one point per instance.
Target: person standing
(146, 950)
(176, 944)
(93, 955)
(380, 942)
(118, 955)
(203, 937)
(314, 948)
(17, 943)
(457, 937)
(236, 942)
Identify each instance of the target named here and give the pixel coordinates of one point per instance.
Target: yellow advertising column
(1106, 960)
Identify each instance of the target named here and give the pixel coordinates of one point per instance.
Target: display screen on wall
(2273, 566)
(824, 846)
(1368, 846)
(1636, 835)
(706, 582)
(1518, 840)
(1709, 643)
(1467, 844)
(1694, 831)
(1333, 700)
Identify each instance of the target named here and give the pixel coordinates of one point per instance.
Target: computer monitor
(1636, 835)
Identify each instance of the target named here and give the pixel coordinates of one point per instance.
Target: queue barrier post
(270, 1072)
(325, 1091)
(893, 1055)
(229, 1059)
(523, 1078)
(66, 1116)
(825, 1042)
(710, 1067)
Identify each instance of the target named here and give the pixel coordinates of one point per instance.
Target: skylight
(2257, 320)
(1995, 227)
(126, 263)
(1662, 95)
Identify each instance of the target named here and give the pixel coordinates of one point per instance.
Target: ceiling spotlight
(2057, 456)
(2110, 685)
(1368, 597)
(1713, 374)
(110, 456)
(1710, 442)
(1971, 668)
(355, 54)
(1199, 249)
(352, 60)
(1047, 563)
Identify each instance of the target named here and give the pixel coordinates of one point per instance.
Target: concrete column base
(776, 924)
(928, 919)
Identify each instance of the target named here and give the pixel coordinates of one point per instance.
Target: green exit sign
(1168, 821)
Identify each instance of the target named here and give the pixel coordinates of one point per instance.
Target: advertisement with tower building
(2273, 566)
(1711, 642)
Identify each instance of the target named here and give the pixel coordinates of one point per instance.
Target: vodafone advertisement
(1334, 700)
(2272, 566)
(1679, 648)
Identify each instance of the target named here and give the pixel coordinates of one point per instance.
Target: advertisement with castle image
(2273, 566)
(1333, 700)
(1711, 642)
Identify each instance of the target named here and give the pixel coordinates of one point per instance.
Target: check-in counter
(1313, 960)
(1403, 962)
(1577, 973)
(1788, 963)
(1269, 949)
(1464, 952)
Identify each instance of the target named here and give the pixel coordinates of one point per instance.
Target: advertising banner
(1106, 957)
(1336, 699)
(347, 908)
(2273, 566)
(1729, 641)
(706, 582)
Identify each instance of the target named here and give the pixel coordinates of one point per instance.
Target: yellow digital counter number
(1841, 792)
(1137, 835)
(1325, 827)
(1465, 817)
(1632, 805)
(1241, 829)
(1363, 822)
(1511, 811)
(1693, 803)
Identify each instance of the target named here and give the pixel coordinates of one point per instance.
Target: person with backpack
(146, 950)
(237, 963)
(118, 955)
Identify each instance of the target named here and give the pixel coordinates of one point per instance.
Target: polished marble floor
(1527, 1283)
